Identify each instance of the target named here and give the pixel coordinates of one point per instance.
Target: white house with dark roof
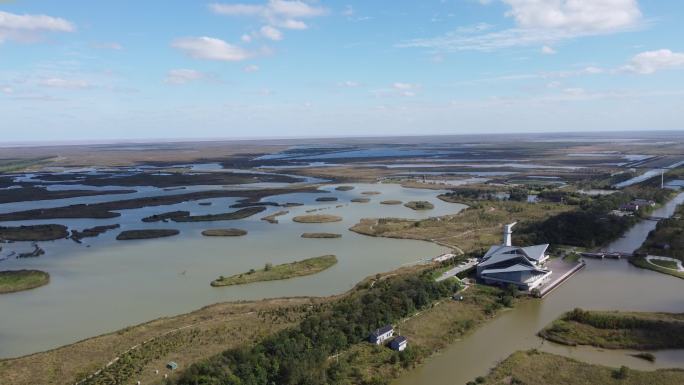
(380, 335)
(507, 264)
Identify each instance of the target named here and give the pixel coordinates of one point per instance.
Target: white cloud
(542, 22)
(246, 38)
(183, 76)
(56, 82)
(403, 86)
(349, 84)
(108, 45)
(405, 89)
(210, 48)
(29, 27)
(651, 61)
(271, 33)
(577, 15)
(278, 13)
(251, 68)
(546, 50)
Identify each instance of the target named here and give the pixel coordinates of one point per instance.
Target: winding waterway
(602, 285)
(103, 285)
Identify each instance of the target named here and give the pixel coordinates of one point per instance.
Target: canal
(602, 285)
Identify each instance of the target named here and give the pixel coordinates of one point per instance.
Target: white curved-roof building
(507, 264)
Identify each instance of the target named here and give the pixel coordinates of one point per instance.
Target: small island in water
(278, 272)
(224, 232)
(321, 235)
(12, 281)
(317, 218)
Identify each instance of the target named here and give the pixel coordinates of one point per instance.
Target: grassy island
(420, 205)
(278, 272)
(224, 232)
(317, 218)
(534, 367)
(344, 188)
(18, 280)
(618, 330)
(146, 234)
(360, 200)
(391, 202)
(321, 235)
(33, 233)
(326, 199)
(371, 193)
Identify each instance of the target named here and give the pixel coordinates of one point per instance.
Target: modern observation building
(507, 264)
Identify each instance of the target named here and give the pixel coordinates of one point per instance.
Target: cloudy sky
(83, 70)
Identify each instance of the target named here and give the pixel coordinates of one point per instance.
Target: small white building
(507, 264)
(380, 335)
(399, 343)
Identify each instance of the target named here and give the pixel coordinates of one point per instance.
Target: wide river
(603, 284)
(104, 285)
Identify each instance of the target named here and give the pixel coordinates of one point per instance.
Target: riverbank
(184, 338)
(12, 281)
(534, 367)
(284, 271)
(617, 330)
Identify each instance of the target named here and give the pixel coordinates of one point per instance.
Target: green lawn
(277, 272)
(664, 263)
(644, 264)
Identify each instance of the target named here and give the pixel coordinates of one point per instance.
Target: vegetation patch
(618, 330)
(391, 202)
(18, 280)
(419, 205)
(668, 237)
(32, 193)
(239, 214)
(534, 367)
(317, 218)
(76, 235)
(344, 188)
(371, 193)
(278, 272)
(224, 232)
(321, 235)
(146, 234)
(163, 217)
(33, 233)
(108, 209)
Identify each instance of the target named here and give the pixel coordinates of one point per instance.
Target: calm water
(113, 284)
(605, 285)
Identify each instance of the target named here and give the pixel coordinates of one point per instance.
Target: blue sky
(86, 70)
